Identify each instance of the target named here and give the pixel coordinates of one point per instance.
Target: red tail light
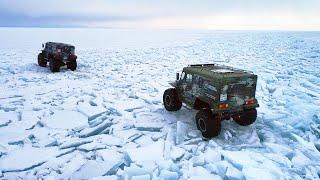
(223, 106)
(251, 101)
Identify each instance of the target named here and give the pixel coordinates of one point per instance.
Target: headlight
(223, 97)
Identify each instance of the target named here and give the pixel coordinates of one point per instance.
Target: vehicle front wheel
(246, 118)
(41, 61)
(72, 65)
(171, 100)
(208, 124)
(54, 65)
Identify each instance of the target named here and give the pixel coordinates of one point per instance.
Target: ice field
(106, 120)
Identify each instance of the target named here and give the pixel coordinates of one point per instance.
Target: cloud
(226, 14)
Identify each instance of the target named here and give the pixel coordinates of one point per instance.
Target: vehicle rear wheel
(54, 65)
(246, 118)
(72, 65)
(171, 100)
(41, 61)
(208, 124)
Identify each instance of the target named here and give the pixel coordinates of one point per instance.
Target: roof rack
(201, 65)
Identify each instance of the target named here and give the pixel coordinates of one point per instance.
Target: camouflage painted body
(222, 88)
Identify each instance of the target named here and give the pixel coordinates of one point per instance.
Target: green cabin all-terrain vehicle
(57, 54)
(218, 92)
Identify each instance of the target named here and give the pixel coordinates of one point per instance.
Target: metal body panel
(215, 84)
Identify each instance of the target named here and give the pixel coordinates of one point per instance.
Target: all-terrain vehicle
(57, 54)
(218, 92)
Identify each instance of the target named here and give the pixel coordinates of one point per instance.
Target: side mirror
(177, 76)
(42, 45)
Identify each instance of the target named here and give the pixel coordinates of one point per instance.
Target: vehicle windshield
(68, 49)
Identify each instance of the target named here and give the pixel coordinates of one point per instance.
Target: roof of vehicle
(216, 71)
(59, 44)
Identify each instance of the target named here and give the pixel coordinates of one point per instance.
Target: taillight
(251, 101)
(223, 106)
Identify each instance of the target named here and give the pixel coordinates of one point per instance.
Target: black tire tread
(246, 117)
(213, 123)
(176, 103)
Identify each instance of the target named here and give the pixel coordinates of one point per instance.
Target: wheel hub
(168, 100)
(202, 125)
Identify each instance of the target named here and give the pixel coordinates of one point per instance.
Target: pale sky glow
(174, 14)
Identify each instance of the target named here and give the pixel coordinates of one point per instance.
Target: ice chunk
(198, 160)
(165, 174)
(108, 140)
(281, 160)
(182, 129)
(167, 165)
(199, 171)
(4, 122)
(74, 143)
(90, 111)
(212, 156)
(176, 153)
(128, 135)
(93, 168)
(136, 172)
(29, 118)
(66, 119)
(95, 130)
(72, 165)
(278, 148)
(234, 174)
(152, 152)
(300, 160)
(130, 105)
(141, 177)
(158, 136)
(115, 156)
(148, 126)
(113, 177)
(252, 173)
(109, 163)
(3, 150)
(91, 146)
(26, 158)
(205, 177)
(239, 158)
(193, 133)
(9, 116)
(149, 166)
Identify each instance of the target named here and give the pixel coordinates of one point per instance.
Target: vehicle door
(188, 88)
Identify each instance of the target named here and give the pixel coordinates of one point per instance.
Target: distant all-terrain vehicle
(218, 92)
(57, 54)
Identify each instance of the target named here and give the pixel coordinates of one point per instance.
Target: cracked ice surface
(106, 119)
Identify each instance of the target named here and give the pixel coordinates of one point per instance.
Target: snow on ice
(106, 119)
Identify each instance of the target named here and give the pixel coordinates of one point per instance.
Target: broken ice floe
(95, 130)
(74, 143)
(66, 120)
(7, 117)
(149, 126)
(90, 111)
(152, 152)
(17, 160)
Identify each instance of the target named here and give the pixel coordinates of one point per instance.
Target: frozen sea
(106, 120)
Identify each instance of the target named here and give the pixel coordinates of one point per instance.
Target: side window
(200, 82)
(183, 76)
(189, 78)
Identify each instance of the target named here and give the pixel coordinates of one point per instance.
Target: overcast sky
(185, 14)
